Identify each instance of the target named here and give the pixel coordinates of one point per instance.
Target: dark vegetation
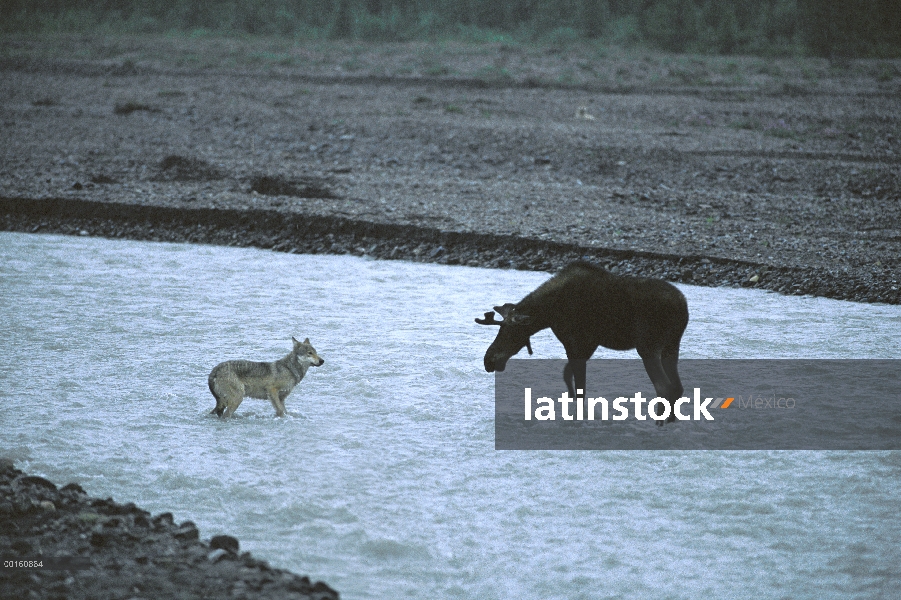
(827, 28)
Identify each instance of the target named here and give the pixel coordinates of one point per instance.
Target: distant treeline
(817, 27)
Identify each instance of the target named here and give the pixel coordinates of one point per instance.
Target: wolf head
(305, 354)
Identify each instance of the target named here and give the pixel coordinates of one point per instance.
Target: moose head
(514, 334)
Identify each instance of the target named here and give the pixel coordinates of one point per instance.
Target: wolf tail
(220, 406)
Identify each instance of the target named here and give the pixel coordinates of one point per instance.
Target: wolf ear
(294, 339)
(306, 341)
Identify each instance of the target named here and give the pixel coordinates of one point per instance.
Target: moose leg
(574, 375)
(662, 384)
(670, 366)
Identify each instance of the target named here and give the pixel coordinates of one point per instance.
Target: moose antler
(489, 319)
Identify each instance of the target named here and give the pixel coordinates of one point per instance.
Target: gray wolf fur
(233, 380)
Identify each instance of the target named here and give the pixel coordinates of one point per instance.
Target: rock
(225, 542)
(73, 488)
(105, 532)
(163, 520)
(186, 531)
(323, 591)
(142, 521)
(89, 517)
(36, 481)
(216, 555)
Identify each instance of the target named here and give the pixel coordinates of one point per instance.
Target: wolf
(233, 380)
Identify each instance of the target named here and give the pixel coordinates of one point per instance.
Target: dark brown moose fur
(587, 306)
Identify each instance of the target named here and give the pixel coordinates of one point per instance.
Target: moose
(587, 306)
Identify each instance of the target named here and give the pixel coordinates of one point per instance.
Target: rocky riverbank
(101, 549)
(780, 174)
(298, 233)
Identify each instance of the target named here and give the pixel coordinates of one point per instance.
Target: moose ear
(504, 310)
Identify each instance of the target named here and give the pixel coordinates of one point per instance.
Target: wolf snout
(320, 363)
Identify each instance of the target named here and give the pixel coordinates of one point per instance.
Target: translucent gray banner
(727, 405)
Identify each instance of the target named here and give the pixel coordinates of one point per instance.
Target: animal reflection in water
(587, 306)
(232, 381)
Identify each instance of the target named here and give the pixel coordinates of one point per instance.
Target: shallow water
(383, 480)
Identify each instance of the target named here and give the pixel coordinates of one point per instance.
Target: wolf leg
(219, 395)
(233, 405)
(234, 399)
(220, 403)
(277, 402)
(228, 392)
